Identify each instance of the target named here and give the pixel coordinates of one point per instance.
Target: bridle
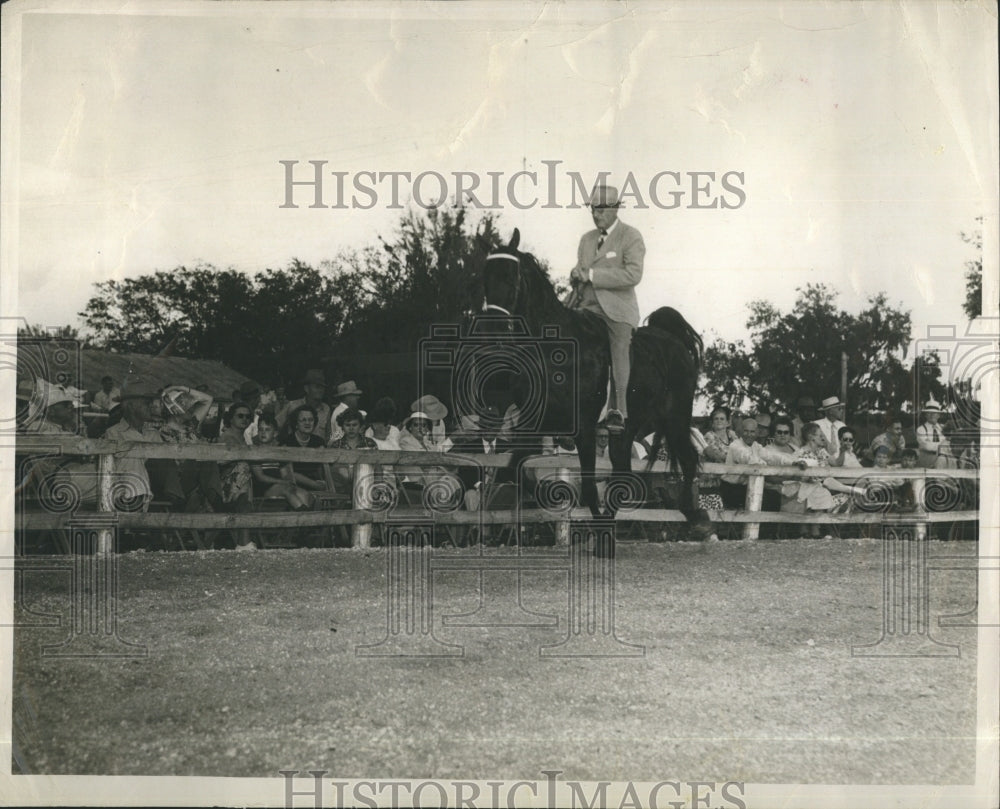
(492, 307)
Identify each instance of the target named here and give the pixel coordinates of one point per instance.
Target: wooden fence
(369, 508)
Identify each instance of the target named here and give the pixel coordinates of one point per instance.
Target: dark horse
(666, 357)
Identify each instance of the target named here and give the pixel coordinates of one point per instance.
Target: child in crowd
(272, 474)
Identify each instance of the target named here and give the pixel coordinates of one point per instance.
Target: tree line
(362, 314)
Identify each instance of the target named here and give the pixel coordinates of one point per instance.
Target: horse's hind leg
(698, 519)
(586, 447)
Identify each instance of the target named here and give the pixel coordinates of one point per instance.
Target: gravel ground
(747, 672)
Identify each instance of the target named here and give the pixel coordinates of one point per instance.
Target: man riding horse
(608, 268)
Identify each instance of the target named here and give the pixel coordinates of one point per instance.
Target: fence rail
(363, 513)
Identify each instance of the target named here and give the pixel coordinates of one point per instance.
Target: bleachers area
(357, 517)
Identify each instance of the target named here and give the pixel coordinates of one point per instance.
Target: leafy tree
(973, 305)
(359, 316)
(263, 325)
(799, 354)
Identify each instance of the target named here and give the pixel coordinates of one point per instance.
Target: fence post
(563, 526)
(919, 509)
(755, 499)
(361, 533)
(105, 479)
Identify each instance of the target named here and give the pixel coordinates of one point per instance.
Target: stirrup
(615, 422)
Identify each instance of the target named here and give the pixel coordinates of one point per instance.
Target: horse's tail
(668, 319)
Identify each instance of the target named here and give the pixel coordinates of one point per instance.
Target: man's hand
(577, 276)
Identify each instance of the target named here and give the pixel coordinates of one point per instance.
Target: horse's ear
(515, 240)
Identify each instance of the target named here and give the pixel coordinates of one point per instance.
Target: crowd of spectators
(143, 411)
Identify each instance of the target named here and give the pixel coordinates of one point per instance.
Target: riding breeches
(620, 336)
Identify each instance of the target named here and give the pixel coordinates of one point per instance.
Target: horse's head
(502, 279)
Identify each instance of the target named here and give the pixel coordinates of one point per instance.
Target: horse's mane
(538, 298)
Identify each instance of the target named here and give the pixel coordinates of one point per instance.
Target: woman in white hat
(434, 409)
(935, 450)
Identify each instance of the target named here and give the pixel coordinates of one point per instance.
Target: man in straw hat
(833, 419)
(131, 473)
(608, 267)
(935, 449)
(348, 395)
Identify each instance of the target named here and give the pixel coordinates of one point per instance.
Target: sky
(865, 135)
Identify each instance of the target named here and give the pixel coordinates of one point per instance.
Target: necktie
(936, 437)
(600, 240)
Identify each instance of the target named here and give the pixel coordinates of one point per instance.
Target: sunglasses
(847, 440)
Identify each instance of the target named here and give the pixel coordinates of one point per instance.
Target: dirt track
(747, 673)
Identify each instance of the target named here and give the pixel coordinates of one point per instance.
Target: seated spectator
(133, 481)
(300, 432)
(249, 394)
(268, 401)
(314, 389)
(415, 433)
(805, 412)
(280, 401)
(779, 452)
(779, 449)
(602, 438)
(236, 477)
(904, 498)
(812, 495)
(184, 409)
(350, 422)
(892, 439)
(348, 395)
(833, 411)
(198, 485)
(108, 395)
(742, 451)
(908, 459)
(383, 430)
(935, 451)
(720, 436)
(272, 477)
(47, 475)
(883, 457)
(484, 441)
(436, 412)
(415, 437)
(763, 419)
(845, 449)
